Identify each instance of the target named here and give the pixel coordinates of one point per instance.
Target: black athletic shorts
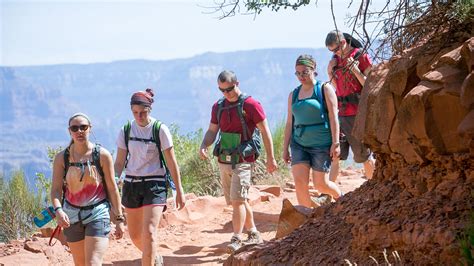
(142, 191)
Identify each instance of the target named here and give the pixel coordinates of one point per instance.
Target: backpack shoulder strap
(66, 161)
(156, 138)
(96, 159)
(126, 133)
(294, 96)
(240, 111)
(220, 108)
(357, 54)
(319, 88)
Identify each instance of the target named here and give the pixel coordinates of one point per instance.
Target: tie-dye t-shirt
(88, 191)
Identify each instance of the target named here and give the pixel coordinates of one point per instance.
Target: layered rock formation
(417, 114)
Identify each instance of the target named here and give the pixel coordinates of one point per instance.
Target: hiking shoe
(235, 244)
(323, 199)
(159, 260)
(253, 238)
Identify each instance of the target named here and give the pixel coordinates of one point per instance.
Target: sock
(236, 235)
(253, 230)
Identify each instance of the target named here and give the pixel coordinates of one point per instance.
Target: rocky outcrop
(417, 114)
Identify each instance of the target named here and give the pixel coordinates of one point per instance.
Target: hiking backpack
(156, 139)
(319, 90)
(251, 145)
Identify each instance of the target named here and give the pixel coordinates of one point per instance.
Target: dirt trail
(197, 234)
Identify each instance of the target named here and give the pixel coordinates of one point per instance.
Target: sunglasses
(227, 89)
(77, 128)
(335, 49)
(302, 74)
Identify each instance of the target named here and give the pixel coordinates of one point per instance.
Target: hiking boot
(235, 244)
(253, 238)
(323, 199)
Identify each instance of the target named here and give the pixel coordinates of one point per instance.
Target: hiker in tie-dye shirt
(82, 191)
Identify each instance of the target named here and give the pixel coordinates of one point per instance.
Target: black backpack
(251, 145)
(82, 165)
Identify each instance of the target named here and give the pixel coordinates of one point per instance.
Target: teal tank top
(309, 128)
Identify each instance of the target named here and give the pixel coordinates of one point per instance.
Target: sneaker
(253, 238)
(323, 199)
(235, 244)
(159, 260)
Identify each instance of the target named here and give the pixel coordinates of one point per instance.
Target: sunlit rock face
(417, 115)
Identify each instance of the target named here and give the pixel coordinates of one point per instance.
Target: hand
(119, 230)
(335, 150)
(286, 156)
(271, 165)
(203, 153)
(180, 199)
(353, 65)
(62, 219)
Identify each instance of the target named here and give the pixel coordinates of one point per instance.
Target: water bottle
(46, 215)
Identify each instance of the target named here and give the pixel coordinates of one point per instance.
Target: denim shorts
(317, 158)
(96, 228)
(141, 191)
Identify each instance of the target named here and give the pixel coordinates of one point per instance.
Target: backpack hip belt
(351, 98)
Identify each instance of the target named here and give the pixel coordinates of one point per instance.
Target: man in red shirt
(235, 166)
(348, 70)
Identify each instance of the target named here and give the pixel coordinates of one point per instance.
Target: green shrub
(18, 206)
(466, 242)
(198, 176)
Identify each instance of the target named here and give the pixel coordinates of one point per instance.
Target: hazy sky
(35, 32)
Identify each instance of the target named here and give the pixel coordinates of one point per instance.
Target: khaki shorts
(236, 182)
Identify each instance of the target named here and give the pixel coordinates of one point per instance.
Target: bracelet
(336, 143)
(120, 218)
(57, 208)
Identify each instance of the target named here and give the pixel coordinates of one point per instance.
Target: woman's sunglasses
(81, 127)
(227, 89)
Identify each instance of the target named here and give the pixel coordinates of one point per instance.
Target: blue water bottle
(46, 215)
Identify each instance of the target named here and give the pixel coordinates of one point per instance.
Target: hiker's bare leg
(369, 166)
(249, 222)
(238, 215)
(135, 225)
(78, 252)
(151, 220)
(334, 172)
(301, 177)
(322, 183)
(95, 249)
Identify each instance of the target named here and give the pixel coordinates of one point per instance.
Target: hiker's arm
(209, 138)
(331, 66)
(268, 143)
(112, 192)
(57, 189)
(354, 68)
(174, 171)
(120, 161)
(287, 137)
(331, 103)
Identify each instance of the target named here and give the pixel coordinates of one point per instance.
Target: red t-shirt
(230, 121)
(347, 83)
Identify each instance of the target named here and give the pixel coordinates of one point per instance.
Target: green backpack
(156, 139)
(249, 146)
